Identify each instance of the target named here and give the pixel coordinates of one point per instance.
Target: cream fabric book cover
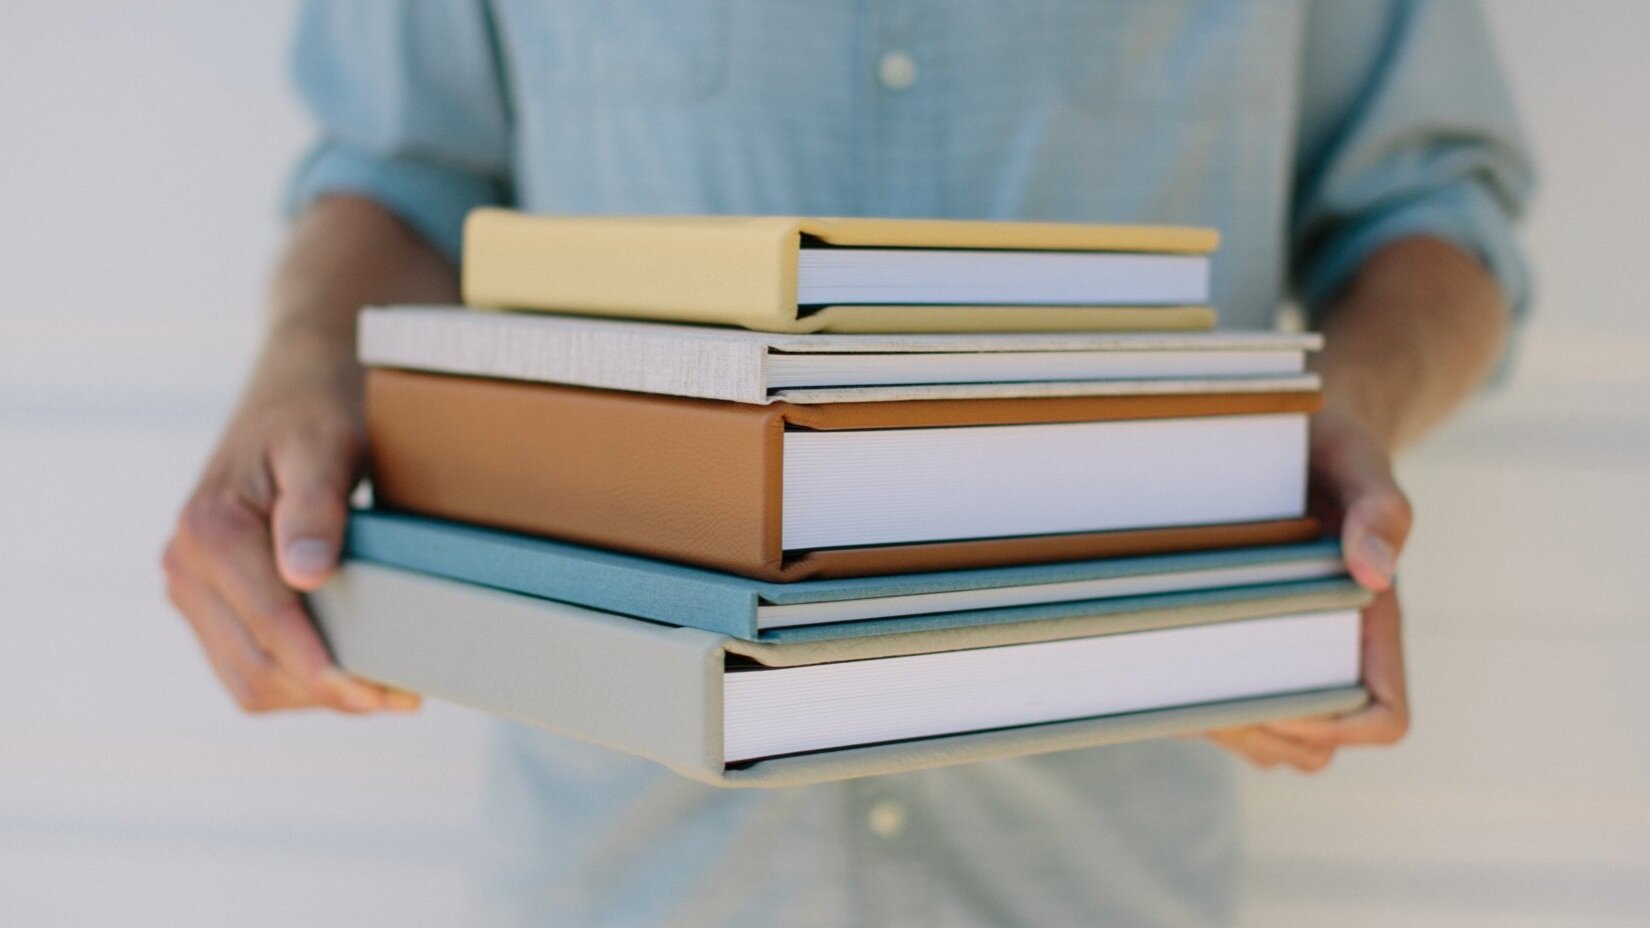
(760, 367)
(657, 691)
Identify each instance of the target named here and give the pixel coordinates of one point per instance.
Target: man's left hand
(1355, 491)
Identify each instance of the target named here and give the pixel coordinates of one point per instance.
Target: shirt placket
(899, 172)
(902, 70)
(890, 878)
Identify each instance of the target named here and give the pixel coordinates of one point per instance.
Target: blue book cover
(823, 609)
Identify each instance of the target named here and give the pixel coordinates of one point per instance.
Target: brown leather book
(702, 482)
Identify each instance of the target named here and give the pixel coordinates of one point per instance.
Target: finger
(313, 474)
(1355, 475)
(1373, 533)
(1383, 655)
(1375, 724)
(1238, 741)
(232, 554)
(237, 562)
(1386, 719)
(257, 682)
(243, 668)
(402, 700)
(1268, 749)
(1376, 518)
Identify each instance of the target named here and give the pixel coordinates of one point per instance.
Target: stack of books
(774, 501)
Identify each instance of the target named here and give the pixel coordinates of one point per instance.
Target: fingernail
(401, 701)
(1378, 556)
(309, 556)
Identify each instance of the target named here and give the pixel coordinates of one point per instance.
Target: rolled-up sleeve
(411, 108)
(1406, 128)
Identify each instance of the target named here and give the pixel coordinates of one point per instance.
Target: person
(1358, 156)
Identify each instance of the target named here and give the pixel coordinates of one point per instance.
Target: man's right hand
(265, 524)
(266, 521)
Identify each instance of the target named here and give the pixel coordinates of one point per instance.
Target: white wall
(142, 148)
(141, 151)
(1523, 796)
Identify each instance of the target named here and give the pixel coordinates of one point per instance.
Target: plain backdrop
(142, 149)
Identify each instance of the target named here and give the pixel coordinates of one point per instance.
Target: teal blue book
(818, 610)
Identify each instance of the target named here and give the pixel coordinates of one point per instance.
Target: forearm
(1417, 330)
(344, 253)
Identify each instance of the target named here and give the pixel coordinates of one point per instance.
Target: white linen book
(762, 367)
(740, 713)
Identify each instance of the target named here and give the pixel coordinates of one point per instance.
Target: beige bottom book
(738, 713)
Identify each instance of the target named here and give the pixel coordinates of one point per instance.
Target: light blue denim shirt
(1310, 134)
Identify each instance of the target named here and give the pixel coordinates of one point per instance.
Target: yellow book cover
(743, 270)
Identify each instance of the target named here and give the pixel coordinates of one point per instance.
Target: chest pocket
(602, 52)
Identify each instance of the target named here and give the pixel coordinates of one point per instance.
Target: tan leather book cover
(700, 481)
(742, 270)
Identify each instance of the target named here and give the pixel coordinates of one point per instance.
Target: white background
(141, 150)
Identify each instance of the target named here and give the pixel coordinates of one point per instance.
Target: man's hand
(1417, 329)
(1354, 492)
(266, 521)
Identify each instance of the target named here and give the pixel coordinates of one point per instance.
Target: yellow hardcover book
(787, 273)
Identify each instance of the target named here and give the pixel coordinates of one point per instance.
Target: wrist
(310, 364)
(1412, 334)
(1342, 415)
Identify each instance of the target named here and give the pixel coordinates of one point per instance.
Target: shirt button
(887, 819)
(897, 70)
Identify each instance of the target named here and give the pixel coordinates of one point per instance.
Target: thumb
(312, 486)
(1376, 517)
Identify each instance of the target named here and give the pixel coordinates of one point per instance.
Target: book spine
(631, 686)
(638, 358)
(691, 481)
(527, 566)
